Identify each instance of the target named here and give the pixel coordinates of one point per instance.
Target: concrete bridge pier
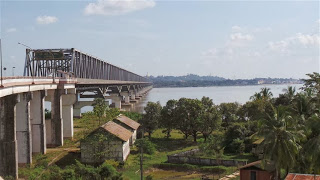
(67, 112)
(116, 99)
(8, 142)
(77, 107)
(37, 118)
(126, 95)
(55, 125)
(23, 129)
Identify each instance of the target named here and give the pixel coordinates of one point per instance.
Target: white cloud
(46, 19)
(299, 40)
(10, 30)
(115, 7)
(240, 36)
(236, 28)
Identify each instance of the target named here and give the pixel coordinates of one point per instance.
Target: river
(219, 94)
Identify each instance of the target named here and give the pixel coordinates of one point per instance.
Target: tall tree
(189, 116)
(281, 138)
(229, 113)
(168, 117)
(210, 117)
(150, 119)
(99, 108)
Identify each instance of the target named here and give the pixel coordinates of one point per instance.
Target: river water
(218, 94)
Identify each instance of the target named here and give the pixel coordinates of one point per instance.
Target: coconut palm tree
(266, 93)
(281, 138)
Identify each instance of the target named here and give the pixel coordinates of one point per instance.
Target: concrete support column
(67, 113)
(37, 118)
(127, 99)
(116, 99)
(133, 96)
(76, 112)
(8, 142)
(126, 95)
(56, 129)
(23, 129)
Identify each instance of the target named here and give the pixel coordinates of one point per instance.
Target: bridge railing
(51, 62)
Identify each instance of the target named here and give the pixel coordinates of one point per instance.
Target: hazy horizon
(230, 39)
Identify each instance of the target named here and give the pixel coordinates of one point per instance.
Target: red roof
(293, 176)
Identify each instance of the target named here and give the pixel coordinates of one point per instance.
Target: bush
(237, 146)
(68, 174)
(149, 177)
(107, 170)
(148, 146)
(113, 163)
(189, 167)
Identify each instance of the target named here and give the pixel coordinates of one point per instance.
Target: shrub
(148, 146)
(68, 174)
(113, 163)
(237, 146)
(149, 177)
(107, 170)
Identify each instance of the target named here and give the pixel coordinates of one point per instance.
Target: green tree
(150, 119)
(189, 116)
(281, 139)
(99, 108)
(229, 113)
(210, 119)
(168, 117)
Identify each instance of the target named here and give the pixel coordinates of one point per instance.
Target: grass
(154, 165)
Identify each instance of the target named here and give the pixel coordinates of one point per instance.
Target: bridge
(62, 77)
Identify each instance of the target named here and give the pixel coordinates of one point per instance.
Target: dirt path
(231, 176)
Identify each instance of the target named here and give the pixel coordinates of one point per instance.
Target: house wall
(261, 175)
(93, 154)
(126, 149)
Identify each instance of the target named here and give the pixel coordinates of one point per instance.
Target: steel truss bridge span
(72, 62)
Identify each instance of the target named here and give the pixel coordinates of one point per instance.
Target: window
(253, 175)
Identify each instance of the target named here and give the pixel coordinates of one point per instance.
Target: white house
(109, 141)
(130, 125)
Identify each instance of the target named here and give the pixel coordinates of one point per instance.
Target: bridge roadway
(23, 128)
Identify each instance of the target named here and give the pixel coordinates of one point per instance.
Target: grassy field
(154, 165)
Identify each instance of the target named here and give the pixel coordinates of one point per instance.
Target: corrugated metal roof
(131, 123)
(117, 130)
(294, 176)
(258, 164)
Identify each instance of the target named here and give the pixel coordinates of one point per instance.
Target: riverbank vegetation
(286, 129)
(192, 80)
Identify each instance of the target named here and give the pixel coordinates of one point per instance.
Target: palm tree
(266, 93)
(281, 138)
(256, 96)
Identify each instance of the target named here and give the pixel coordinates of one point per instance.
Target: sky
(231, 39)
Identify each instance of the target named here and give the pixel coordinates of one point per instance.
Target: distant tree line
(192, 80)
(288, 126)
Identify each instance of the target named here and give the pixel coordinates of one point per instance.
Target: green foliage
(214, 145)
(189, 167)
(47, 113)
(149, 177)
(133, 115)
(99, 108)
(169, 117)
(148, 146)
(237, 145)
(150, 119)
(68, 174)
(113, 163)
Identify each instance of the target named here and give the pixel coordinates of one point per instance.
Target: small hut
(256, 171)
(130, 125)
(109, 141)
